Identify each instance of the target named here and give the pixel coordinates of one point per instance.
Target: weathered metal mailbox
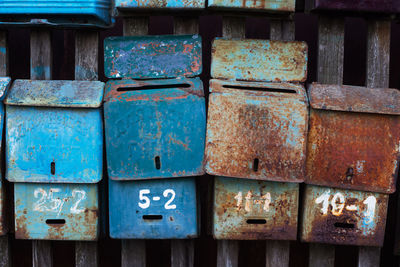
(251, 209)
(344, 217)
(265, 5)
(92, 13)
(354, 137)
(135, 5)
(54, 154)
(257, 119)
(155, 128)
(372, 6)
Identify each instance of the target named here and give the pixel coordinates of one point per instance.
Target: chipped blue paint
(127, 5)
(40, 71)
(172, 201)
(262, 5)
(69, 13)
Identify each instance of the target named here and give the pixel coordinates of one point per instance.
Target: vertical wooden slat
(41, 63)
(234, 27)
(321, 255)
(133, 252)
(186, 25)
(282, 30)
(3, 54)
(5, 252)
(86, 68)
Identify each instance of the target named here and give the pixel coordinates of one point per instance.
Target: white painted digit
(267, 202)
(248, 206)
(370, 213)
(239, 198)
(55, 203)
(337, 204)
(168, 205)
(142, 197)
(39, 205)
(74, 209)
(324, 199)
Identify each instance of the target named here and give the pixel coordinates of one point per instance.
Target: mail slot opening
(155, 86)
(55, 221)
(274, 90)
(344, 225)
(53, 168)
(256, 221)
(152, 217)
(255, 165)
(157, 162)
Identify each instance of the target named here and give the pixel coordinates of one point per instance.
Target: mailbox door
(267, 5)
(375, 6)
(155, 209)
(56, 211)
(257, 130)
(155, 133)
(126, 5)
(343, 217)
(249, 209)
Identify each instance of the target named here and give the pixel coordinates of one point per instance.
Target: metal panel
(152, 57)
(257, 130)
(3, 224)
(57, 145)
(259, 60)
(156, 209)
(155, 133)
(343, 217)
(376, 6)
(5, 83)
(261, 5)
(56, 13)
(56, 212)
(249, 209)
(85, 94)
(124, 5)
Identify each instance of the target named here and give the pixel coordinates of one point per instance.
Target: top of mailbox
(152, 57)
(375, 6)
(83, 94)
(4, 84)
(264, 5)
(354, 99)
(259, 60)
(164, 4)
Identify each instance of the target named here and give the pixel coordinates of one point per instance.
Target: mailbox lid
(92, 13)
(41, 208)
(250, 209)
(259, 60)
(258, 131)
(5, 83)
(267, 5)
(136, 208)
(152, 57)
(147, 127)
(375, 6)
(124, 5)
(343, 217)
(353, 138)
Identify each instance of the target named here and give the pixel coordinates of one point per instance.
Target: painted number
(145, 201)
(250, 200)
(47, 202)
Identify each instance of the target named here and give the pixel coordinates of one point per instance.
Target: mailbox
(89, 13)
(344, 217)
(155, 128)
(257, 118)
(372, 6)
(354, 137)
(123, 6)
(266, 5)
(251, 209)
(54, 153)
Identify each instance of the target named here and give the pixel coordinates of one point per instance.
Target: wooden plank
(282, 30)
(277, 253)
(182, 253)
(369, 256)
(321, 255)
(227, 253)
(5, 252)
(234, 27)
(186, 25)
(3, 54)
(136, 26)
(41, 62)
(86, 68)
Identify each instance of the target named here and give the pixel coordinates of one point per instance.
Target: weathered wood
(41, 54)
(42, 253)
(234, 27)
(282, 30)
(321, 255)
(182, 253)
(3, 54)
(86, 55)
(368, 256)
(186, 25)
(136, 26)
(86, 254)
(277, 253)
(330, 50)
(133, 253)
(5, 252)
(227, 253)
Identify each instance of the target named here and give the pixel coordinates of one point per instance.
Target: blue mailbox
(155, 128)
(89, 13)
(54, 153)
(124, 6)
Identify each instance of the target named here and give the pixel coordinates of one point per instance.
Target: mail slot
(54, 153)
(83, 13)
(354, 137)
(372, 6)
(280, 6)
(344, 217)
(257, 118)
(124, 6)
(251, 209)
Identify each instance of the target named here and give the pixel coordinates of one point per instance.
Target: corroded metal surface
(262, 5)
(5, 83)
(258, 131)
(353, 150)
(248, 209)
(343, 217)
(85, 94)
(259, 60)
(56, 212)
(152, 57)
(124, 5)
(376, 6)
